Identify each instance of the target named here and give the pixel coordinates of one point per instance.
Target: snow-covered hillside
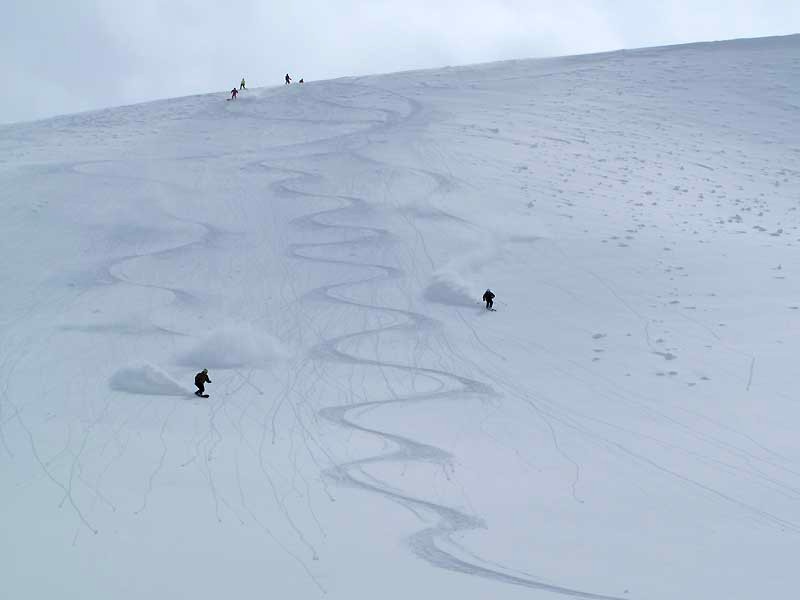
(625, 425)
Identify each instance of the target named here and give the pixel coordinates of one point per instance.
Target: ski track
(113, 270)
(426, 543)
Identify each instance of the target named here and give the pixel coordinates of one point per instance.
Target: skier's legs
(201, 389)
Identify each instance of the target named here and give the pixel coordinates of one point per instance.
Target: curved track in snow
(445, 522)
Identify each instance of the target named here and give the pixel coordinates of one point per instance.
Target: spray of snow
(232, 347)
(457, 282)
(145, 378)
(449, 287)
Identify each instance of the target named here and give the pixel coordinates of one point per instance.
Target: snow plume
(449, 287)
(144, 378)
(235, 346)
(449, 284)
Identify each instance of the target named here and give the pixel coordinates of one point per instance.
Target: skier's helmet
(205, 370)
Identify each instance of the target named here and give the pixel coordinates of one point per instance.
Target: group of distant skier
(235, 91)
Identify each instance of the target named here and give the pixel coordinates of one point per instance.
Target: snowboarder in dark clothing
(200, 380)
(234, 92)
(488, 297)
(288, 79)
(301, 80)
(241, 85)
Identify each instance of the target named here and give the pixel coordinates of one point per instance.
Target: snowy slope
(624, 426)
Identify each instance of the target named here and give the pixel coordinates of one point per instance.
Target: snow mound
(449, 287)
(144, 378)
(231, 347)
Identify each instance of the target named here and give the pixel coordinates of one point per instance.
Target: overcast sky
(63, 56)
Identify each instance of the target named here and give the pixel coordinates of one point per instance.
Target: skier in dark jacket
(488, 297)
(200, 380)
(288, 79)
(234, 92)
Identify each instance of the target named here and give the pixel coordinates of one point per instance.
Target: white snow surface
(624, 426)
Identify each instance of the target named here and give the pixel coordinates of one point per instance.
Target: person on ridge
(488, 297)
(241, 85)
(200, 380)
(234, 92)
(301, 80)
(288, 79)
